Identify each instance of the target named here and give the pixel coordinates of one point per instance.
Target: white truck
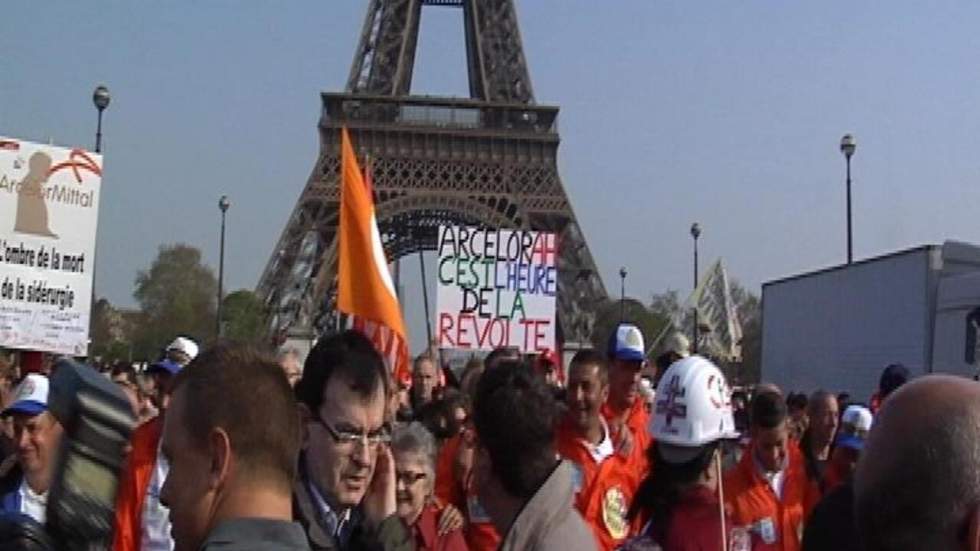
(836, 329)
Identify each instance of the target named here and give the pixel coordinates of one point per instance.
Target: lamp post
(223, 204)
(101, 100)
(847, 147)
(695, 233)
(622, 294)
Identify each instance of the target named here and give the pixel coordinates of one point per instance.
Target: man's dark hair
(500, 354)
(768, 410)
(892, 377)
(588, 356)
(515, 416)
(126, 371)
(438, 416)
(797, 401)
(246, 394)
(349, 356)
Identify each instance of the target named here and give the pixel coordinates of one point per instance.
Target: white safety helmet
(693, 405)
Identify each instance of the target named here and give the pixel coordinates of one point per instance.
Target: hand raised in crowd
(450, 519)
(379, 501)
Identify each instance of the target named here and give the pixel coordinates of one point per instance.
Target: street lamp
(101, 100)
(695, 233)
(622, 294)
(847, 147)
(223, 204)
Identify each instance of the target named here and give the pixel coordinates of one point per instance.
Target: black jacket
(831, 525)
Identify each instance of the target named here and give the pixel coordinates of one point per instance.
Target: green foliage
(110, 334)
(750, 313)
(177, 296)
(243, 317)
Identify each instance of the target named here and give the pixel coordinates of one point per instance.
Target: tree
(668, 305)
(243, 316)
(749, 309)
(750, 314)
(177, 296)
(111, 335)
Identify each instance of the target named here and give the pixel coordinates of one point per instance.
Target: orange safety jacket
(481, 535)
(133, 485)
(604, 490)
(774, 523)
(638, 424)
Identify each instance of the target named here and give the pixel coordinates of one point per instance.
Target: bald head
(918, 480)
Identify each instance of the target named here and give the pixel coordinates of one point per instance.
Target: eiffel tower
(488, 160)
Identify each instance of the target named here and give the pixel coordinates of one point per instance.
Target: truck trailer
(836, 329)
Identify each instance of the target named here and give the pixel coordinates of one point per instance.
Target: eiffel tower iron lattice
(490, 160)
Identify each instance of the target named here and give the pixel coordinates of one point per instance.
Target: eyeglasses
(409, 478)
(346, 437)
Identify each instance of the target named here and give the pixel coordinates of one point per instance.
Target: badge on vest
(614, 510)
(766, 530)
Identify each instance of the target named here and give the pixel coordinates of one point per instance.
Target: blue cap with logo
(626, 343)
(31, 396)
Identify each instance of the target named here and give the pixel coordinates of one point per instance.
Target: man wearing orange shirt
(604, 480)
(767, 491)
(624, 411)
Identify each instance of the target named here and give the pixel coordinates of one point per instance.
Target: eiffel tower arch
(487, 160)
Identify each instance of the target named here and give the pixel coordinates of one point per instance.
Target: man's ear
(972, 541)
(221, 458)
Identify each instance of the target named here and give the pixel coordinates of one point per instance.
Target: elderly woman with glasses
(414, 451)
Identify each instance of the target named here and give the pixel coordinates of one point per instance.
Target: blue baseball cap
(166, 366)
(31, 396)
(626, 343)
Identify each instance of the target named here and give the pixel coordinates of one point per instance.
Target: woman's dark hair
(660, 491)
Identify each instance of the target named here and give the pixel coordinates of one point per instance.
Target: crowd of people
(239, 449)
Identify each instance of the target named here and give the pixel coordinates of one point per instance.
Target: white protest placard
(49, 211)
(496, 288)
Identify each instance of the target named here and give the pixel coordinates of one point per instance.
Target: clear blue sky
(728, 113)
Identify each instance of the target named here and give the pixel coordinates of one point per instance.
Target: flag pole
(425, 301)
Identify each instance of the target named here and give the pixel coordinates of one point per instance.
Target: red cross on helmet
(693, 405)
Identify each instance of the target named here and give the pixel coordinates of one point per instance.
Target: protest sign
(496, 288)
(49, 206)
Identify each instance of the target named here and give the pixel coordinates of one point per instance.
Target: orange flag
(365, 290)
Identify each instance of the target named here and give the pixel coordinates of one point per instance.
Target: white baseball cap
(854, 427)
(185, 345)
(31, 396)
(626, 343)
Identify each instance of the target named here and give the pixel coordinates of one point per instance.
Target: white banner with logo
(49, 212)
